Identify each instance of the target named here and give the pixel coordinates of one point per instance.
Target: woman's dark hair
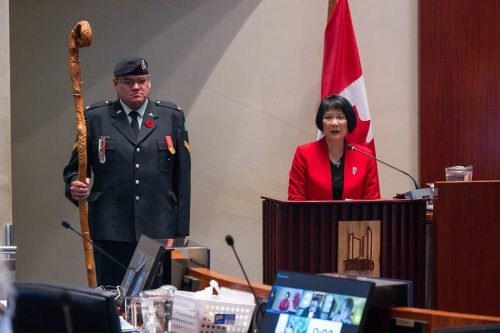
(333, 306)
(349, 303)
(336, 102)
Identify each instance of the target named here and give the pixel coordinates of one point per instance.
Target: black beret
(132, 65)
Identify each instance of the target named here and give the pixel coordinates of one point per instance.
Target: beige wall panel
(248, 75)
(5, 160)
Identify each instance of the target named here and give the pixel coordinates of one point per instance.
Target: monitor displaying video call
(305, 303)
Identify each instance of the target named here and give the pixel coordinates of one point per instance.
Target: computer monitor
(45, 308)
(143, 268)
(181, 254)
(152, 264)
(487, 328)
(307, 303)
(388, 292)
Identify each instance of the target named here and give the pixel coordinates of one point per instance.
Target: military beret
(132, 65)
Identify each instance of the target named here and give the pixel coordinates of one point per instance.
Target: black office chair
(58, 309)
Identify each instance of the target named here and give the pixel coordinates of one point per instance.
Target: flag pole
(331, 6)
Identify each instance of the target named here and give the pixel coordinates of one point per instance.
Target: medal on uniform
(170, 144)
(101, 149)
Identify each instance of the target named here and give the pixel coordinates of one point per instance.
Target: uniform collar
(140, 110)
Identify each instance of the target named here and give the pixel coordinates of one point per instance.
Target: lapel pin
(354, 170)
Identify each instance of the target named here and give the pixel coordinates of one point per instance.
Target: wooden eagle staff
(81, 36)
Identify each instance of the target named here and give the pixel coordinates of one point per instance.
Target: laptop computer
(305, 303)
(142, 268)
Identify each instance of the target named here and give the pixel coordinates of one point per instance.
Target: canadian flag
(342, 74)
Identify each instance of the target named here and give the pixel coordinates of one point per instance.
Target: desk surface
(379, 319)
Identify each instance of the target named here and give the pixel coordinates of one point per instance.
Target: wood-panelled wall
(467, 252)
(459, 50)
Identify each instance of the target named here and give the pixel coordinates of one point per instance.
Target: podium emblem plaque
(359, 248)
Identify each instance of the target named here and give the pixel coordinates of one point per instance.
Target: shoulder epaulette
(169, 105)
(98, 104)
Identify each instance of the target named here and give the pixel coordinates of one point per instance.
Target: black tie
(134, 124)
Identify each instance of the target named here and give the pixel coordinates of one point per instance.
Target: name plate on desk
(359, 247)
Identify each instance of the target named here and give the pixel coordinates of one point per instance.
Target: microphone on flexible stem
(230, 242)
(351, 147)
(66, 225)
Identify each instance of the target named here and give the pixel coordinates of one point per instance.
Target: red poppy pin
(148, 123)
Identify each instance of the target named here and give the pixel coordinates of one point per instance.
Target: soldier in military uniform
(138, 155)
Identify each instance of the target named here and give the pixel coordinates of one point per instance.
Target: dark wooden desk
(378, 320)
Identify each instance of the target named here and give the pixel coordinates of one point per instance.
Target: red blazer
(311, 179)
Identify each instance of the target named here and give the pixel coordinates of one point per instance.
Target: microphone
(230, 242)
(351, 147)
(66, 225)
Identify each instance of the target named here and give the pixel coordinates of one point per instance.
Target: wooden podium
(302, 236)
(467, 247)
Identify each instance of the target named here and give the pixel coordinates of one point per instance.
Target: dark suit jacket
(310, 176)
(142, 187)
(317, 312)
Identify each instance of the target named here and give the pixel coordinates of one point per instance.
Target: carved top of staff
(80, 36)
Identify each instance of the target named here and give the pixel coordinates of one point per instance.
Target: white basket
(191, 314)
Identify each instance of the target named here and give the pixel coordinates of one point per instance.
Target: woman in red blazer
(325, 169)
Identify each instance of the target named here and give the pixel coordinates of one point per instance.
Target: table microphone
(66, 225)
(351, 147)
(230, 242)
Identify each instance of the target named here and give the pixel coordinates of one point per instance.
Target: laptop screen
(142, 268)
(305, 303)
